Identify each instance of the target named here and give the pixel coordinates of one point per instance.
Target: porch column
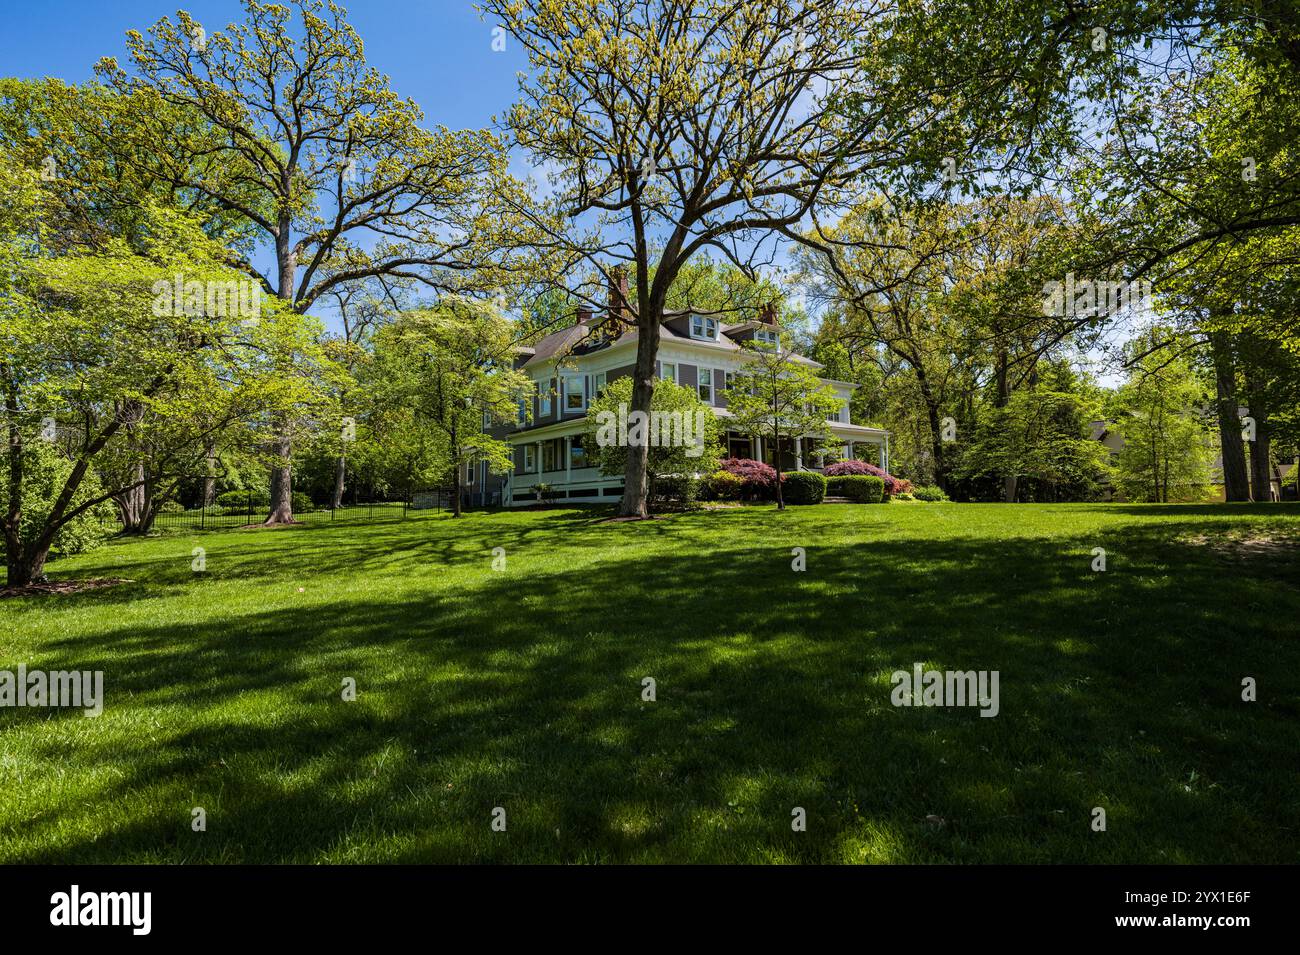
(568, 461)
(849, 456)
(884, 450)
(798, 454)
(537, 475)
(758, 449)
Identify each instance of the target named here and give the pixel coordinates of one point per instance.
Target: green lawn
(521, 688)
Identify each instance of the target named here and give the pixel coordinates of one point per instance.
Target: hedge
(803, 487)
(675, 487)
(860, 488)
(927, 493)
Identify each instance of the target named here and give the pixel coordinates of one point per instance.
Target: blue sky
(437, 52)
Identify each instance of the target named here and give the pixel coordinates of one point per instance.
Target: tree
(94, 355)
(778, 397)
(675, 128)
(310, 145)
(1040, 437)
(681, 435)
(1166, 453)
(452, 367)
(889, 276)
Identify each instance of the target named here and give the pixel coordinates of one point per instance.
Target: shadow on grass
(524, 690)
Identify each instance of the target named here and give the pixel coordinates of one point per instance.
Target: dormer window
(767, 336)
(704, 328)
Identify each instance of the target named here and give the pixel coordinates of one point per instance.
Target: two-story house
(571, 366)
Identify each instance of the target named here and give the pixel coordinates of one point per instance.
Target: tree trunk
(340, 471)
(1011, 481)
(1235, 486)
(282, 472)
(210, 481)
(281, 485)
(26, 565)
(134, 505)
(936, 426)
(1259, 451)
(776, 458)
(636, 489)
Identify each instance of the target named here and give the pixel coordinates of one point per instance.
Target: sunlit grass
(522, 689)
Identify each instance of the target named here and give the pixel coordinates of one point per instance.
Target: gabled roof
(571, 341)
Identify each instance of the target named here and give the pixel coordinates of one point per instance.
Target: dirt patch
(1241, 547)
(62, 587)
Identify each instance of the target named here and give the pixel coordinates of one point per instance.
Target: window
(547, 389)
(668, 371)
(706, 328)
(575, 399)
(530, 458)
(551, 455)
(706, 385)
(768, 336)
(523, 411)
(728, 380)
(597, 384)
(577, 455)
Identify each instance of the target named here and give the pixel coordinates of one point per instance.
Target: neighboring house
(572, 366)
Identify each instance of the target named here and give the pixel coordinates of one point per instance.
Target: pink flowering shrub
(759, 478)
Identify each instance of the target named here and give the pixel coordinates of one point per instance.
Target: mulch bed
(62, 587)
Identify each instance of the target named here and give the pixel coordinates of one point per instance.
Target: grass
(522, 688)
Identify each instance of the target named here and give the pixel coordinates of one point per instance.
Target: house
(571, 366)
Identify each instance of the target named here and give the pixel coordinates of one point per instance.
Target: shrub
(759, 479)
(859, 488)
(675, 487)
(803, 487)
(902, 497)
(546, 493)
(929, 493)
(893, 485)
(724, 486)
(300, 502)
(45, 470)
(171, 507)
(237, 501)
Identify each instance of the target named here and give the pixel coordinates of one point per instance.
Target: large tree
(309, 144)
(674, 128)
(133, 386)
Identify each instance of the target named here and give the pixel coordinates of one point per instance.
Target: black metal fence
(254, 509)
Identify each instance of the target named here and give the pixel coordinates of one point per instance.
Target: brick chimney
(584, 316)
(618, 310)
(767, 314)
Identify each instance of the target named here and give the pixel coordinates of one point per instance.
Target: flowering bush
(724, 486)
(893, 485)
(759, 478)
